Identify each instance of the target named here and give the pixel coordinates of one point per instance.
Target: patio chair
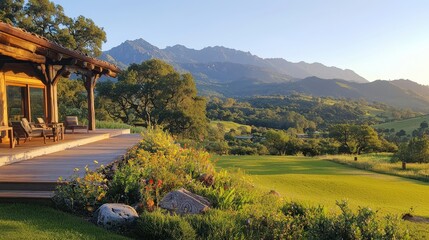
(54, 129)
(72, 123)
(21, 131)
(30, 125)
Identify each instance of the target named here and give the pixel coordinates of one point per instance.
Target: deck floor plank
(49, 167)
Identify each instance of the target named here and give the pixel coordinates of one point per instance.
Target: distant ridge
(140, 50)
(227, 72)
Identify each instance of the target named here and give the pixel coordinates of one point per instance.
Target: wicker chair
(22, 131)
(72, 123)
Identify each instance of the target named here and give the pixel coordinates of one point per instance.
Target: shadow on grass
(288, 165)
(25, 220)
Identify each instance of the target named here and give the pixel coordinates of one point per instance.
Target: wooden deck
(36, 178)
(36, 147)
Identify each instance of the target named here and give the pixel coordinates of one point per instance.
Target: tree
(154, 93)
(11, 11)
(342, 133)
(72, 95)
(416, 150)
(277, 141)
(355, 138)
(365, 138)
(48, 19)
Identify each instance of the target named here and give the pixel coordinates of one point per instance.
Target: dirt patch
(411, 218)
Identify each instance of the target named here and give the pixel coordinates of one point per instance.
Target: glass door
(37, 103)
(15, 102)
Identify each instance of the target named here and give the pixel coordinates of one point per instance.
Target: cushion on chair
(26, 125)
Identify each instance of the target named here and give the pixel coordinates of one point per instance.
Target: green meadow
(408, 125)
(230, 125)
(319, 182)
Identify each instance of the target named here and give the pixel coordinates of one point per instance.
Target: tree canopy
(48, 19)
(154, 93)
(355, 138)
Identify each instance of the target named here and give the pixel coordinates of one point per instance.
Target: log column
(51, 78)
(90, 81)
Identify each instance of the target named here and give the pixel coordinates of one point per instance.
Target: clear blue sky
(379, 39)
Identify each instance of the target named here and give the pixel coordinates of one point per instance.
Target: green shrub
(81, 194)
(216, 224)
(118, 125)
(157, 225)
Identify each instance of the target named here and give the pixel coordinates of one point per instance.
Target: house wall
(15, 74)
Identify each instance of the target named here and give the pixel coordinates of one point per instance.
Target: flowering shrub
(81, 194)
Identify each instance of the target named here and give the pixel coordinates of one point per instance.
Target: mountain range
(228, 72)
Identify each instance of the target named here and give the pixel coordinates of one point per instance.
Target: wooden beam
(17, 42)
(66, 74)
(98, 69)
(21, 54)
(89, 66)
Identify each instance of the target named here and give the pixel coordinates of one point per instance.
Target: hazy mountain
(139, 50)
(232, 73)
(412, 87)
(380, 91)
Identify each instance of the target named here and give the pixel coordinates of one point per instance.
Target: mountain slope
(228, 72)
(139, 50)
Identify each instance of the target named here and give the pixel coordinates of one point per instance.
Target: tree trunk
(404, 165)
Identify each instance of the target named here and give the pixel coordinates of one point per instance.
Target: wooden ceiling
(18, 45)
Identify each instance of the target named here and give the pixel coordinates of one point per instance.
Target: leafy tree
(154, 93)
(416, 150)
(355, 138)
(48, 19)
(342, 133)
(365, 137)
(11, 11)
(277, 141)
(72, 96)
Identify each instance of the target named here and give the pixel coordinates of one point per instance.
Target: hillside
(408, 125)
(226, 72)
(140, 50)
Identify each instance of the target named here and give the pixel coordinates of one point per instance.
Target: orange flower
(159, 183)
(151, 181)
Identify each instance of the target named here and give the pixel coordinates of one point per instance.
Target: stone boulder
(184, 202)
(115, 216)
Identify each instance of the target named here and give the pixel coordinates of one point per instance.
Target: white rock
(115, 216)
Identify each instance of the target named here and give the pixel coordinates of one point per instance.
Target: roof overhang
(19, 45)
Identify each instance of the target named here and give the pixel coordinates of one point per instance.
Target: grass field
(315, 181)
(230, 125)
(380, 162)
(30, 221)
(408, 125)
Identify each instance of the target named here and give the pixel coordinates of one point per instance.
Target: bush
(118, 125)
(81, 194)
(157, 225)
(216, 224)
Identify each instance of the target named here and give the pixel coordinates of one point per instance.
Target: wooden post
(51, 78)
(90, 81)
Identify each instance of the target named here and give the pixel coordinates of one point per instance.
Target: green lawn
(316, 181)
(408, 125)
(230, 125)
(31, 221)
